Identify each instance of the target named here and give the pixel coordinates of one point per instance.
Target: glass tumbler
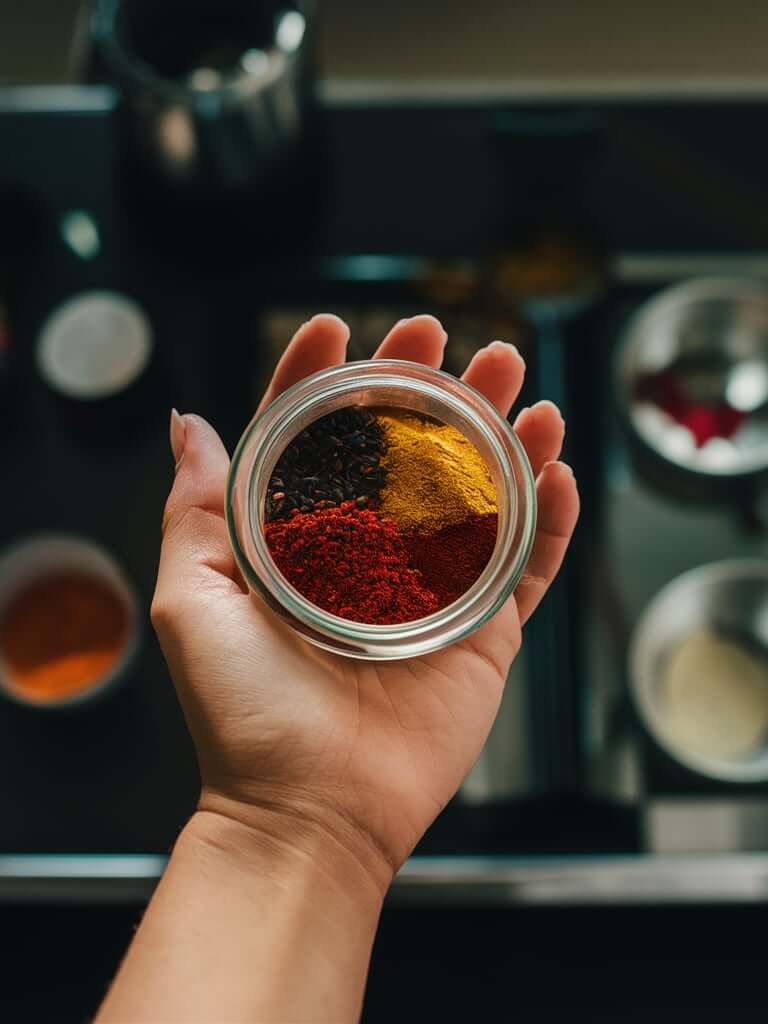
(382, 383)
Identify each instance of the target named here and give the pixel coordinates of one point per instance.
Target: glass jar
(380, 383)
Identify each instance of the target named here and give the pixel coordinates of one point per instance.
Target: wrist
(251, 922)
(289, 842)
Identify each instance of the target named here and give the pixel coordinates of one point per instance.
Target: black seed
(333, 460)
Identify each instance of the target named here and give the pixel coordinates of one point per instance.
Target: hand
(297, 741)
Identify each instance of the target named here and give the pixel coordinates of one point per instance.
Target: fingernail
(545, 403)
(504, 346)
(423, 316)
(178, 437)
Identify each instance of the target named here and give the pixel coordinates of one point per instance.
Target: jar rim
(467, 404)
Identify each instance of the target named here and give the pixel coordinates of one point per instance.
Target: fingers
(318, 344)
(497, 371)
(420, 339)
(195, 552)
(541, 430)
(558, 510)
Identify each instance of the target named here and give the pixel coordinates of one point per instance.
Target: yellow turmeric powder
(435, 475)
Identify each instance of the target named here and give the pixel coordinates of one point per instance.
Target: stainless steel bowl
(714, 331)
(730, 596)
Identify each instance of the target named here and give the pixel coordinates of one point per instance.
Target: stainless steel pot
(216, 93)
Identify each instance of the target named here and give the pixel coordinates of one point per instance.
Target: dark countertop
(696, 966)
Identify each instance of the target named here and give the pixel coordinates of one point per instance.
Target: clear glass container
(416, 388)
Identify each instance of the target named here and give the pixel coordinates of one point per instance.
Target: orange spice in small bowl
(67, 622)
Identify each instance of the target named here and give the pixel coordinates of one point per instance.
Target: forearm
(248, 926)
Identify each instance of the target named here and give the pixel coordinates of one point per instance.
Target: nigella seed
(333, 461)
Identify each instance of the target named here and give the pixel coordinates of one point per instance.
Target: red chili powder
(351, 562)
(453, 558)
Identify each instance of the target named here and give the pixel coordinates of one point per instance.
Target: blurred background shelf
(432, 881)
(442, 51)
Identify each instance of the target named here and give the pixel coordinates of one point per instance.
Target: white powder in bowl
(715, 697)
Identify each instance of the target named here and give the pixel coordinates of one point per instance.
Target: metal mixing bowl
(715, 332)
(730, 596)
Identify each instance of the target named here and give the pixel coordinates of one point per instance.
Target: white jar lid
(94, 345)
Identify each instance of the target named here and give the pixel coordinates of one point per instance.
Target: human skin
(319, 773)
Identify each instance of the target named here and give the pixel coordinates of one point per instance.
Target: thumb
(195, 550)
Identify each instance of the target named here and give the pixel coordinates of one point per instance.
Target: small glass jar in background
(380, 384)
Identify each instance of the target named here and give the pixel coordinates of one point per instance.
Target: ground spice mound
(452, 560)
(62, 634)
(351, 562)
(434, 475)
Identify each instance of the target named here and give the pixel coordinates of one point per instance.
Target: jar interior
(394, 399)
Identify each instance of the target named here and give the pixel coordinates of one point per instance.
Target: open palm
(373, 750)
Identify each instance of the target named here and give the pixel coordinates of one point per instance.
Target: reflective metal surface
(712, 334)
(429, 881)
(730, 596)
(210, 113)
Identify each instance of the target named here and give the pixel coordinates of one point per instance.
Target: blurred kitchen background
(586, 180)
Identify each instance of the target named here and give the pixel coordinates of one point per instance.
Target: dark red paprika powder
(351, 562)
(453, 558)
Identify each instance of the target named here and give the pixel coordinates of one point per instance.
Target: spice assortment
(381, 516)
